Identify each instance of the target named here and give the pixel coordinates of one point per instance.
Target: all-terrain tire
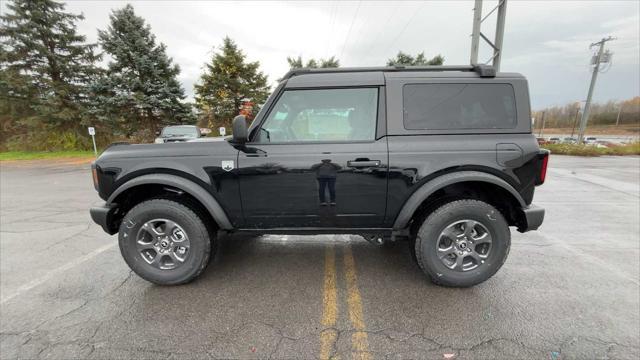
(428, 235)
(188, 219)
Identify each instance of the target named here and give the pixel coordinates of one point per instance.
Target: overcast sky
(547, 41)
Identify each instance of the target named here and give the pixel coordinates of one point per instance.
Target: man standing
(326, 174)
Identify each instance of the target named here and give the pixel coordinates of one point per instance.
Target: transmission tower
(601, 57)
(477, 33)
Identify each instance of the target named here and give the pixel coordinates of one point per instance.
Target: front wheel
(164, 242)
(462, 243)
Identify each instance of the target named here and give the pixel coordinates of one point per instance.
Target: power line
(358, 34)
(395, 9)
(350, 27)
(406, 25)
(333, 20)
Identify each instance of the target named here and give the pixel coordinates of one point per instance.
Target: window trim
(380, 112)
(514, 126)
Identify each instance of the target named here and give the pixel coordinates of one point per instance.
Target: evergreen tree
(227, 82)
(297, 63)
(45, 69)
(139, 92)
(420, 59)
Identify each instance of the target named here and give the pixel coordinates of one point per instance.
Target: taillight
(94, 174)
(543, 167)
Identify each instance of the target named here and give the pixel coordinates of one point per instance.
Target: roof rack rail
(481, 70)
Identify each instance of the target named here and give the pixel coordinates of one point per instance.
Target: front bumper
(534, 215)
(104, 215)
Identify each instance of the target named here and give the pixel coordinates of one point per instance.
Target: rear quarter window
(459, 106)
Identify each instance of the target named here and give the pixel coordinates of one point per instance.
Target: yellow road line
(329, 333)
(359, 340)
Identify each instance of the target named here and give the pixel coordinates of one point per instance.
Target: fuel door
(508, 154)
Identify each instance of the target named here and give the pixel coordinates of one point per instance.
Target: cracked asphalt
(568, 291)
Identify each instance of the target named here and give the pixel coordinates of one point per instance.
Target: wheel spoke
(157, 259)
(447, 251)
(477, 257)
(151, 229)
(144, 245)
(450, 234)
(459, 261)
(469, 225)
(483, 238)
(177, 259)
(169, 227)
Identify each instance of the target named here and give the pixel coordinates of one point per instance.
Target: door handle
(363, 163)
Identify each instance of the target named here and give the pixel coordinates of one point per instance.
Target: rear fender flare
(188, 186)
(430, 187)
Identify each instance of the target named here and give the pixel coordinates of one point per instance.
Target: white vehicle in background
(590, 140)
(178, 133)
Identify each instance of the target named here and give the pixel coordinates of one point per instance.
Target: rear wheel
(165, 242)
(462, 243)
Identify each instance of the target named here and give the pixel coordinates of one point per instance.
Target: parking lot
(570, 290)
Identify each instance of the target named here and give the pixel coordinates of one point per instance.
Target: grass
(611, 130)
(589, 150)
(38, 155)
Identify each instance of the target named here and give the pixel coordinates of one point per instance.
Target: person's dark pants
(324, 183)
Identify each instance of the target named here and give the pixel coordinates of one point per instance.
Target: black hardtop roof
(482, 70)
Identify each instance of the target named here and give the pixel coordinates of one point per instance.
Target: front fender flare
(427, 189)
(188, 186)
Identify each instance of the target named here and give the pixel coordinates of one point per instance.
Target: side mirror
(240, 129)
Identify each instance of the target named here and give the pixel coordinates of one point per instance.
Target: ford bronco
(441, 156)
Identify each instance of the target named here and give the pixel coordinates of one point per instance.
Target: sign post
(223, 131)
(92, 132)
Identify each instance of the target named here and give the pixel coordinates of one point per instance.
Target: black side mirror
(240, 129)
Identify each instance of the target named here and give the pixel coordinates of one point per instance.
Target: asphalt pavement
(568, 291)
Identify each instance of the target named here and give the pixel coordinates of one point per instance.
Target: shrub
(591, 150)
(49, 141)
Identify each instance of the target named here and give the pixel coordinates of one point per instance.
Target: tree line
(53, 83)
(623, 112)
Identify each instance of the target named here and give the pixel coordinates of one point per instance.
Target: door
(316, 162)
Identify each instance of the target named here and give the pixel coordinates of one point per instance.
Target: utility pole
(542, 125)
(596, 68)
(575, 122)
(619, 111)
(477, 33)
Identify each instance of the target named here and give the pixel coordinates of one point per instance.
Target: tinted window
(180, 131)
(459, 106)
(322, 115)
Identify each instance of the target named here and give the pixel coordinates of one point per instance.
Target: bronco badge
(227, 165)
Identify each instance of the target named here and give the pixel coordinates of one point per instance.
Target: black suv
(177, 133)
(440, 156)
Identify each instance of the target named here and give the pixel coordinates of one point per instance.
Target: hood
(170, 149)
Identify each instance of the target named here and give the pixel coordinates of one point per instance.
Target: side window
(322, 115)
(459, 106)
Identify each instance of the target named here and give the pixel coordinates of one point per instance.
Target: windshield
(170, 131)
